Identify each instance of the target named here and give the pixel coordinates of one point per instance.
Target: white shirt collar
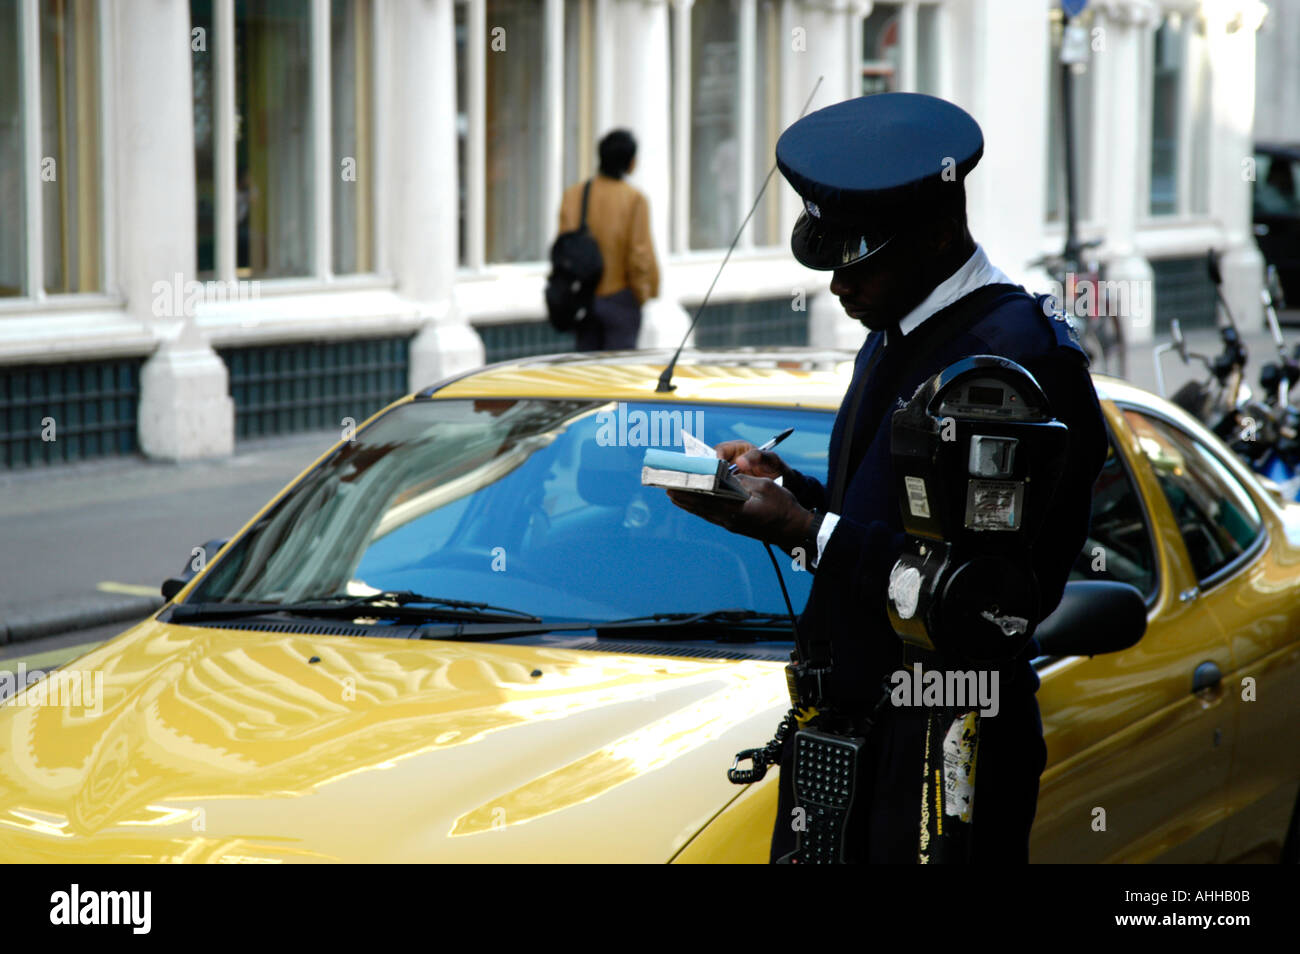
(976, 273)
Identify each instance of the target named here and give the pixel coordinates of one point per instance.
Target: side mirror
(1094, 616)
(174, 584)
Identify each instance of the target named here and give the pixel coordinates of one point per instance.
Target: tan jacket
(619, 218)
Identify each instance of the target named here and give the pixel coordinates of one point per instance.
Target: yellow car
(469, 634)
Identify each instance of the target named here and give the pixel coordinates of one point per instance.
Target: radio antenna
(666, 378)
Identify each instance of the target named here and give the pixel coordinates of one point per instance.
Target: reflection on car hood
(213, 745)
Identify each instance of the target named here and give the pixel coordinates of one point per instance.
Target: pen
(770, 444)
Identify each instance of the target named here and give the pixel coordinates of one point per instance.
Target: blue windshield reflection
(532, 504)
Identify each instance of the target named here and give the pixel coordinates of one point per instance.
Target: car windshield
(531, 504)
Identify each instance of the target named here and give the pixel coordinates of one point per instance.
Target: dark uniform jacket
(848, 598)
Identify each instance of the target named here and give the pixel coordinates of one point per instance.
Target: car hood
(203, 744)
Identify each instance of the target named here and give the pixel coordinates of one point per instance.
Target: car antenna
(666, 378)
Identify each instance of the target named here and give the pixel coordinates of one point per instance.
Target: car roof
(1117, 389)
(783, 377)
(813, 377)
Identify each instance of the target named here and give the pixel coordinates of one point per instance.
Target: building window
(13, 228)
(579, 90)
(203, 84)
(929, 45)
(766, 103)
(273, 152)
(525, 99)
(1200, 130)
(725, 118)
(1166, 73)
(50, 152)
(880, 49)
(1081, 104)
(352, 115)
(902, 49)
(96, 405)
(1180, 118)
(514, 189)
(463, 144)
(715, 123)
(283, 132)
(312, 385)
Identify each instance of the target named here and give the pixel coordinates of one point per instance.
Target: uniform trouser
(886, 826)
(613, 323)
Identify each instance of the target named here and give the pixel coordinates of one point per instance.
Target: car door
(1247, 580)
(1138, 755)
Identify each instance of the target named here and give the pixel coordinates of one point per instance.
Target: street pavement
(92, 542)
(1259, 347)
(52, 651)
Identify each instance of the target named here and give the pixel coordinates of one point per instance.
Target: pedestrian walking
(618, 217)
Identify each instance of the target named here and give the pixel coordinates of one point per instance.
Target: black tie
(842, 471)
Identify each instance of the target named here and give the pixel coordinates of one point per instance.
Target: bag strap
(586, 191)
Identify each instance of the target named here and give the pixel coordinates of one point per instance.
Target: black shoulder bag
(576, 269)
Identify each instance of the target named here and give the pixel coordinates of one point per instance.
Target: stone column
(639, 100)
(422, 184)
(820, 38)
(185, 406)
(1125, 153)
(1230, 33)
(1007, 96)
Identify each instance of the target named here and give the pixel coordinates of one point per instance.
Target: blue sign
(1073, 8)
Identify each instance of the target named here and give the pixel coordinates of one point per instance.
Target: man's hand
(748, 459)
(771, 513)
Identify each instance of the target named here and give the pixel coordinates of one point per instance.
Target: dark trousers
(613, 323)
(887, 823)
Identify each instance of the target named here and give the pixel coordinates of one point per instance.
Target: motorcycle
(1083, 296)
(1279, 459)
(1264, 433)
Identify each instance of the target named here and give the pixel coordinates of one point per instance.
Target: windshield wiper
(471, 620)
(740, 618)
(393, 604)
(409, 598)
(687, 625)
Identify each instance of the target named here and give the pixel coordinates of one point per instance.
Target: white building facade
(222, 219)
(1277, 78)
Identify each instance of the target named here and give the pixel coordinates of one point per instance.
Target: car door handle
(1207, 680)
(1186, 596)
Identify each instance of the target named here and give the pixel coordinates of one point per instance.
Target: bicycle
(1101, 333)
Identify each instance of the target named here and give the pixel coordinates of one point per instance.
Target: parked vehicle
(470, 634)
(1263, 430)
(1276, 201)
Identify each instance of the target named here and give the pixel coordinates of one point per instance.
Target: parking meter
(977, 456)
